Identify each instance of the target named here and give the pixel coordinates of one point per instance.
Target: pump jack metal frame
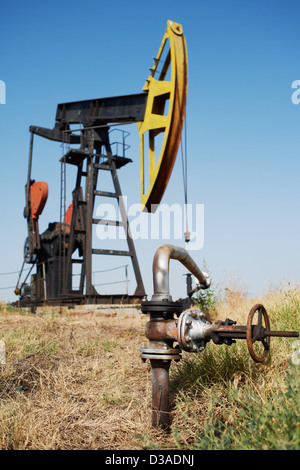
(158, 111)
(94, 155)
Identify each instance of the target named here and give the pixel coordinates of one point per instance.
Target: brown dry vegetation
(73, 381)
(76, 381)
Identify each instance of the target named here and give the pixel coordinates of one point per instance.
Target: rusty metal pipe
(160, 394)
(162, 331)
(161, 263)
(27, 203)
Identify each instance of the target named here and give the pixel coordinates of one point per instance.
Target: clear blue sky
(243, 131)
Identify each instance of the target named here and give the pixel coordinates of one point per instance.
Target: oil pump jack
(158, 111)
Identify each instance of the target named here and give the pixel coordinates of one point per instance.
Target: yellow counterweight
(164, 116)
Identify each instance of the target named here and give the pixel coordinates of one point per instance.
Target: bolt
(187, 339)
(189, 322)
(194, 315)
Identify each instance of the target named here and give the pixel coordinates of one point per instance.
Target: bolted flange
(191, 327)
(163, 354)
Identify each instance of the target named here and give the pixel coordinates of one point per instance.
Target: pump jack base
(118, 299)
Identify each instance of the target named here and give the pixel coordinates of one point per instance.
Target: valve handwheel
(258, 332)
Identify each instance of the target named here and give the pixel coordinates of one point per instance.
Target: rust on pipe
(160, 393)
(161, 330)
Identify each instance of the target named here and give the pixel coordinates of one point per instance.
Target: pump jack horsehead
(158, 111)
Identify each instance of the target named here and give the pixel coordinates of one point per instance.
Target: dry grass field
(75, 380)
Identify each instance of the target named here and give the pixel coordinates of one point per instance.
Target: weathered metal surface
(161, 330)
(74, 300)
(258, 332)
(220, 332)
(191, 327)
(103, 110)
(161, 263)
(160, 393)
(172, 56)
(192, 330)
(38, 198)
(163, 353)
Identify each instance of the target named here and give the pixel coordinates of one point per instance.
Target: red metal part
(68, 214)
(38, 198)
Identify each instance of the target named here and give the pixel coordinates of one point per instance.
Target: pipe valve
(191, 330)
(195, 331)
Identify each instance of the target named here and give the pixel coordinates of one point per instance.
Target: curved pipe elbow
(161, 263)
